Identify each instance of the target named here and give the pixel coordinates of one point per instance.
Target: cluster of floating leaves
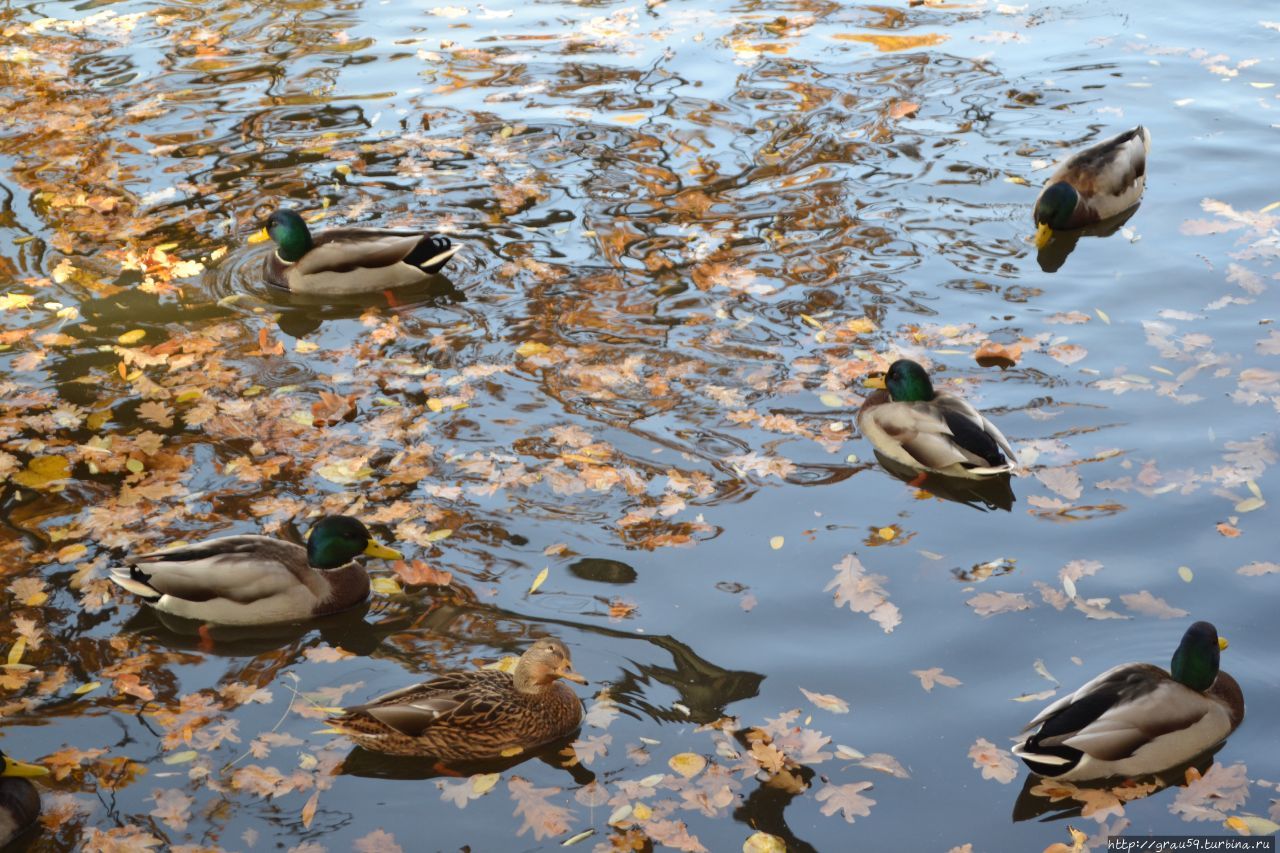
(433, 427)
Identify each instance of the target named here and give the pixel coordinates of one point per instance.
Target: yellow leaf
(1102, 315)
(542, 576)
(86, 688)
(886, 533)
(811, 321)
(687, 764)
(529, 348)
(435, 404)
(776, 542)
(1250, 504)
(132, 337)
(1185, 573)
(42, 471)
(888, 44)
(482, 782)
(620, 814)
(641, 812)
(437, 535)
(181, 757)
(135, 466)
(763, 842)
(861, 326)
(386, 586)
(309, 810)
(1014, 179)
(831, 400)
(11, 301)
(15, 653)
(300, 345)
(72, 552)
(581, 836)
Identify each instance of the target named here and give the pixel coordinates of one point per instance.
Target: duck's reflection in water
(1063, 243)
(990, 493)
(1050, 799)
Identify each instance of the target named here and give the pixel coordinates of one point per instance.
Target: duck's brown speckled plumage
(473, 715)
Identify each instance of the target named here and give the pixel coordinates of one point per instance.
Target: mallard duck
(1094, 184)
(347, 261)
(473, 715)
(907, 421)
(257, 580)
(19, 799)
(1137, 719)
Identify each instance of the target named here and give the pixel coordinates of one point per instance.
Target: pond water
(690, 229)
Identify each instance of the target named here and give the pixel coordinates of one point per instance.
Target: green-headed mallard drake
(347, 261)
(1136, 718)
(910, 423)
(1094, 184)
(472, 715)
(257, 580)
(19, 799)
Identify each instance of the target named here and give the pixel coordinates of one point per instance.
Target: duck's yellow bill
(1043, 234)
(373, 549)
(570, 675)
(260, 236)
(21, 768)
(1222, 644)
(873, 382)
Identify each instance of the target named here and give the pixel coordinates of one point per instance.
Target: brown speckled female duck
(472, 715)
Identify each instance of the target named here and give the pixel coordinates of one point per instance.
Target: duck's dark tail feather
(431, 253)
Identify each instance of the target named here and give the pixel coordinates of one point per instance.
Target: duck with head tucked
(1095, 184)
(349, 261)
(1136, 719)
(258, 580)
(19, 799)
(909, 422)
(474, 714)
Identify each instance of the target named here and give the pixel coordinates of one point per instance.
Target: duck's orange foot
(391, 299)
(445, 770)
(918, 480)
(206, 638)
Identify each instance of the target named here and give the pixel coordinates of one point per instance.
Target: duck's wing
(345, 250)
(973, 432)
(1116, 714)
(1109, 177)
(241, 569)
(459, 700)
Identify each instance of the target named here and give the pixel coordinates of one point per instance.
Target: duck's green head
(336, 540)
(292, 236)
(9, 767)
(1195, 663)
(1054, 209)
(908, 382)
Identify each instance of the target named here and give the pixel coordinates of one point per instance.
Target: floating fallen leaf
(1228, 530)
(1185, 573)
(43, 471)
(827, 702)
(763, 842)
(889, 44)
(542, 576)
(415, 572)
(995, 763)
(992, 354)
(776, 542)
(385, 586)
(132, 336)
(687, 764)
(934, 675)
